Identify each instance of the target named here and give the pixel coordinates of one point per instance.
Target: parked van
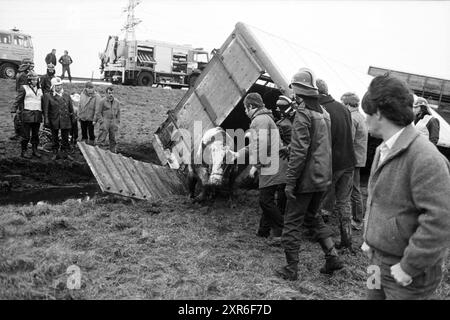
(14, 47)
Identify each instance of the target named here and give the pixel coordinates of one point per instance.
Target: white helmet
(56, 81)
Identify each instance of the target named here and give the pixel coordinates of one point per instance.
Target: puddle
(53, 195)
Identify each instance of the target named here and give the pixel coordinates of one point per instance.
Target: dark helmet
(304, 83)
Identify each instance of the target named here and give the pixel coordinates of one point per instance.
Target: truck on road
(14, 47)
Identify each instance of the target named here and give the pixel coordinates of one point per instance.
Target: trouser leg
(55, 139)
(91, 134)
(74, 132)
(281, 198)
(112, 137)
(271, 213)
(63, 72)
(293, 220)
(65, 139)
(26, 135)
(102, 135)
(84, 130)
(343, 192)
(68, 73)
(356, 197)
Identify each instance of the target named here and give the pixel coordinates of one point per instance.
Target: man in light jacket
(264, 149)
(407, 222)
(89, 102)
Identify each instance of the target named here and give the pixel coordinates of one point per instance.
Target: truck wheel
(145, 79)
(8, 71)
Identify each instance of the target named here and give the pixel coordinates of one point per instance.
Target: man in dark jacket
(407, 222)
(46, 80)
(28, 106)
(264, 148)
(58, 115)
(66, 61)
(343, 163)
(51, 58)
(308, 176)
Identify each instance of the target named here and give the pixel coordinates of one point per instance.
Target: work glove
(289, 191)
(400, 276)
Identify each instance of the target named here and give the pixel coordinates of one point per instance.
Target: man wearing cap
(28, 105)
(308, 176)
(264, 148)
(46, 80)
(425, 123)
(407, 221)
(58, 115)
(338, 195)
(89, 102)
(107, 114)
(360, 137)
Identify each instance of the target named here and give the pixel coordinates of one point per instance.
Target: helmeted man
(46, 80)
(58, 115)
(424, 121)
(107, 115)
(264, 147)
(21, 79)
(308, 176)
(343, 163)
(360, 138)
(28, 105)
(407, 221)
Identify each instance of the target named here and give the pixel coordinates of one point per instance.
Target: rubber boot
(332, 260)
(345, 227)
(24, 154)
(290, 271)
(24, 146)
(35, 151)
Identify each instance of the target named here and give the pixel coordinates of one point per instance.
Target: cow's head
(216, 154)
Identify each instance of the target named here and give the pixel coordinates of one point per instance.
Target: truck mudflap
(124, 176)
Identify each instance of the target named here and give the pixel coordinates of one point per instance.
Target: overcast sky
(401, 35)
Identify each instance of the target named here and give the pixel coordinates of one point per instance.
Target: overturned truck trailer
(250, 60)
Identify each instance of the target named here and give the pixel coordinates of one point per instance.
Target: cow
(218, 168)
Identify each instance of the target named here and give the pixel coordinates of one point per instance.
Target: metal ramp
(127, 177)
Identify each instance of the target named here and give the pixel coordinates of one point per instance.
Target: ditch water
(52, 195)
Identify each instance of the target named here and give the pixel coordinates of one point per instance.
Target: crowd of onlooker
(43, 99)
(322, 146)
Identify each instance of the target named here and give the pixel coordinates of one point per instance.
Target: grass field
(166, 249)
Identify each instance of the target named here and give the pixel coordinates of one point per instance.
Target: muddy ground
(127, 249)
